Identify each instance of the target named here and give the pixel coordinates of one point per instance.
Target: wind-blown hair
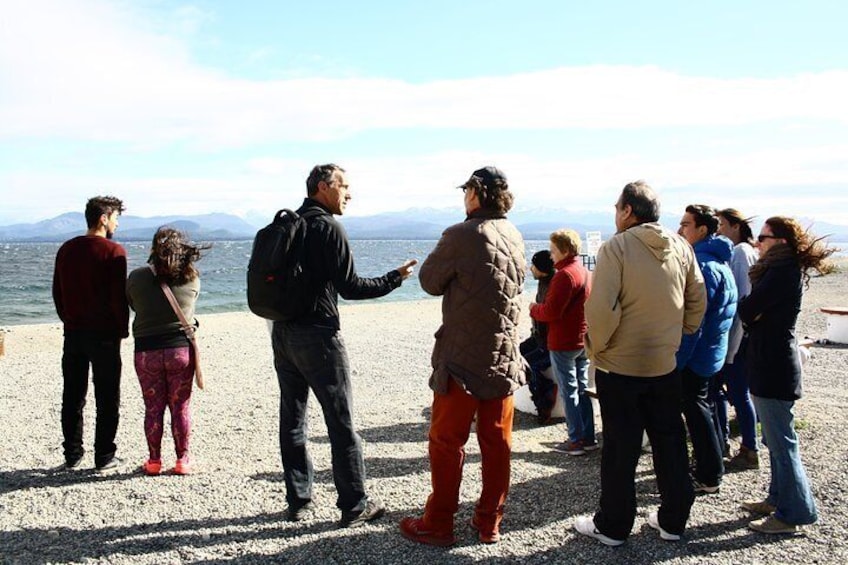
(810, 251)
(735, 218)
(99, 205)
(174, 256)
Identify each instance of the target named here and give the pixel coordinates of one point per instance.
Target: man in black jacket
(309, 353)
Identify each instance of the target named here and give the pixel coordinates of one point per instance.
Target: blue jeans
(313, 357)
(572, 374)
(789, 489)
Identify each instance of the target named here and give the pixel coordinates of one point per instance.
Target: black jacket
(328, 262)
(769, 314)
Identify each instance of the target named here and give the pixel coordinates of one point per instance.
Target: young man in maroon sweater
(88, 290)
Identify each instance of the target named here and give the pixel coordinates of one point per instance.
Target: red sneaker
(485, 537)
(152, 467)
(183, 466)
(413, 529)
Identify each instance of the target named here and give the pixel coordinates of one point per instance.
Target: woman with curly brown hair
(769, 312)
(164, 360)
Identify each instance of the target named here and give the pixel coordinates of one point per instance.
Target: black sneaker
(298, 513)
(111, 465)
(373, 509)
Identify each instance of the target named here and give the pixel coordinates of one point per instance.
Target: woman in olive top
(164, 360)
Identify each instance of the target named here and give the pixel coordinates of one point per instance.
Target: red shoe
(413, 529)
(183, 466)
(152, 467)
(485, 537)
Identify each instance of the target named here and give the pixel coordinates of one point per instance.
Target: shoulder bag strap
(186, 327)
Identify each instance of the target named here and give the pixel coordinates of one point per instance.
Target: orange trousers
(453, 414)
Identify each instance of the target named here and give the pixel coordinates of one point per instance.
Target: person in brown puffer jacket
(478, 267)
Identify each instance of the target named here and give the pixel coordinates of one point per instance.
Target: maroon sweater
(88, 285)
(563, 309)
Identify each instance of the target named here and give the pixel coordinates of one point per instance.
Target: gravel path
(233, 511)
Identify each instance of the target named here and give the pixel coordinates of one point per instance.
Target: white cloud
(89, 70)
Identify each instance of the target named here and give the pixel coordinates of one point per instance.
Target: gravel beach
(233, 509)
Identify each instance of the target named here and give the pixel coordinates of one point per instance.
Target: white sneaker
(586, 525)
(654, 522)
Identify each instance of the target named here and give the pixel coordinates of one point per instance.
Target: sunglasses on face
(762, 238)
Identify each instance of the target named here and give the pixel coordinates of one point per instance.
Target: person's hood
(658, 240)
(715, 247)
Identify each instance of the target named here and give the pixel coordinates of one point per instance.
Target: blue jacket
(704, 351)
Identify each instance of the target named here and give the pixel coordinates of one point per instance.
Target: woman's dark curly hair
(173, 256)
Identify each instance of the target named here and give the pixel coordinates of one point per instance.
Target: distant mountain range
(414, 223)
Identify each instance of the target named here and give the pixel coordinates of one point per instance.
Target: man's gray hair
(642, 200)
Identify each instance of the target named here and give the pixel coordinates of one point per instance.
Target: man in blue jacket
(701, 355)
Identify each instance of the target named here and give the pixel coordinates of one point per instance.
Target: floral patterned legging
(166, 376)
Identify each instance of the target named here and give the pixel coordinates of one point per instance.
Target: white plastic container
(837, 324)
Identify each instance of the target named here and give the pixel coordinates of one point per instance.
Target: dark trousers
(542, 390)
(103, 354)
(312, 357)
(709, 465)
(629, 406)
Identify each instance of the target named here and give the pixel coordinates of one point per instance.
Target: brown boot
(744, 460)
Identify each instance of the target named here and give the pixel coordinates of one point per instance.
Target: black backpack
(277, 287)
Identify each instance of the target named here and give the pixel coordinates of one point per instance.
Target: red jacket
(563, 307)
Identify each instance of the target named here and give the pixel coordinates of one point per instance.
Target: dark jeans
(709, 463)
(312, 357)
(103, 353)
(629, 406)
(541, 387)
(718, 401)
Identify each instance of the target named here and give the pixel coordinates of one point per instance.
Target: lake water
(26, 271)
(26, 274)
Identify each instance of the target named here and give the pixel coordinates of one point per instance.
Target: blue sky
(214, 106)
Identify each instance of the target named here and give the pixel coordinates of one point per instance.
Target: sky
(222, 106)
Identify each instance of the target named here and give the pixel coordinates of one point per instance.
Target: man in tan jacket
(647, 291)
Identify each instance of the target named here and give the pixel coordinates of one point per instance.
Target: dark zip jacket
(769, 314)
(328, 262)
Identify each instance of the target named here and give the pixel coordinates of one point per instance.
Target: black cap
(488, 176)
(542, 260)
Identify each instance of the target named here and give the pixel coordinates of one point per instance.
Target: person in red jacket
(88, 291)
(563, 312)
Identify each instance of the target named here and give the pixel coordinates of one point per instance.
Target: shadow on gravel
(65, 544)
(40, 478)
(375, 467)
(396, 433)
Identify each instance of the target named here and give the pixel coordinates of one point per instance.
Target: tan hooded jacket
(647, 290)
(478, 267)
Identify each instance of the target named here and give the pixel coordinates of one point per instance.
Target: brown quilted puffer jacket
(478, 267)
